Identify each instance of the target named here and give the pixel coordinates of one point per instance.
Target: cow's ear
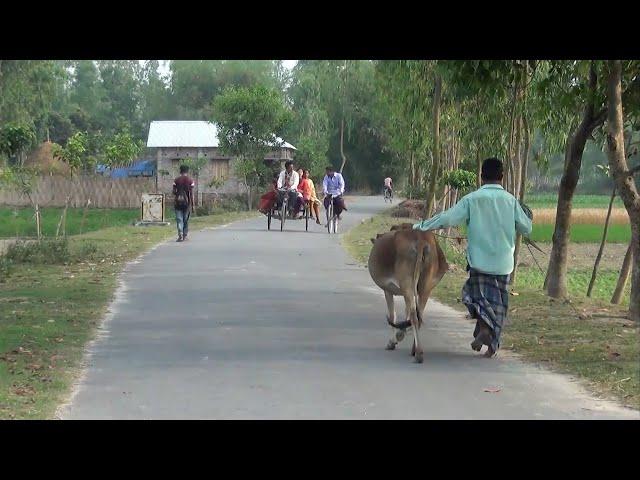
(373, 240)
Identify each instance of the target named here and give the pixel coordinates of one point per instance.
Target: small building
(176, 141)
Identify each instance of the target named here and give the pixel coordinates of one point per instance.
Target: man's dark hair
(287, 163)
(492, 170)
(330, 168)
(184, 168)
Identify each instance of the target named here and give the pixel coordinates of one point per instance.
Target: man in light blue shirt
(493, 217)
(333, 184)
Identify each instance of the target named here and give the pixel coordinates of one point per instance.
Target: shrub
(85, 251)
(6, 267)
(45, 252)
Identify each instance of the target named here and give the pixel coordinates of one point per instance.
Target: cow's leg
(397, 335)
(416, 350)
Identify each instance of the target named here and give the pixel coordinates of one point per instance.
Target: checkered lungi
(487, 299)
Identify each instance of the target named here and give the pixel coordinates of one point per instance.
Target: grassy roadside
(49, 312)
(603, 350)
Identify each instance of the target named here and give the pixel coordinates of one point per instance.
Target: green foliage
(15, 138)
(462, 180)
(73, 153)
(195, 165)
(250, 122)
(122, 149)
(196, 83)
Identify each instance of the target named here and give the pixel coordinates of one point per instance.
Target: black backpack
(182, 197)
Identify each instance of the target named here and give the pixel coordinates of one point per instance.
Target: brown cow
(407, 263)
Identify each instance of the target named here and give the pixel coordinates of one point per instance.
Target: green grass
(49, 312)
(20, 221)
(602, 349)
(550, 200)
(583, 233)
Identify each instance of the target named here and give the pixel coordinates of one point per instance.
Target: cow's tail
(420, 259)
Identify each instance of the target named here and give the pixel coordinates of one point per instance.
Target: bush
(45, 252)
(6, 267)
(86, 251)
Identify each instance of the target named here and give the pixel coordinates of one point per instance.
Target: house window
(220, 168)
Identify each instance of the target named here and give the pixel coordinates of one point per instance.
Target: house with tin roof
(172, 142)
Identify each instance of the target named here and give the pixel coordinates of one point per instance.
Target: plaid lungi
(487, 300)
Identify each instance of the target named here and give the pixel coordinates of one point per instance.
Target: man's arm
(524, 225)
(341, 184)
(457, 215)
(191, 202)
(280, 179)
(175, 188)
(325, 187)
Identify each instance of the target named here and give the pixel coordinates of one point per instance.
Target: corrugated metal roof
(186, 134)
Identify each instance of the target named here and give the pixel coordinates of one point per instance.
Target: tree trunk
(625, 183)
(435, 168)
(521, 193)
(412, 176)
(556, 279)
(38, 222)
(601, 249)
(344, 158)
(624, 276)
(512, 123)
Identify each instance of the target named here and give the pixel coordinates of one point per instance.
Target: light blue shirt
(493, 216)
(333, 185)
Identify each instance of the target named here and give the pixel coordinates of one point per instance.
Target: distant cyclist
(333, 184)
(388, 186)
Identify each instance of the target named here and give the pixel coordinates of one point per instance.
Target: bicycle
(307, 210)
(284, 207)
(332, 220)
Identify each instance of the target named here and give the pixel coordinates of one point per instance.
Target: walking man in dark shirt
(183, 201)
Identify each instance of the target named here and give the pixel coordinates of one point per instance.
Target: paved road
(249, 324)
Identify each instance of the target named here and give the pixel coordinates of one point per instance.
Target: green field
(549, 200)
(584, 233)
(20, 222)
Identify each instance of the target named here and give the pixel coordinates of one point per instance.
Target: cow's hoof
(390, 346)
(419, 358)
(490, 353)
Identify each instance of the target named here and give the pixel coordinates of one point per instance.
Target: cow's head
(402, 226)
(378, 235)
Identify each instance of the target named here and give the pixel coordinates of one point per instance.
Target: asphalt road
(244, 323)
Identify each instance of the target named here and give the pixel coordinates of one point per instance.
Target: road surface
(245, 323)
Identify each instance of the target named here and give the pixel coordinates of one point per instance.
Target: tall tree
(623, 176)
(250, 122)
(593, 116)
